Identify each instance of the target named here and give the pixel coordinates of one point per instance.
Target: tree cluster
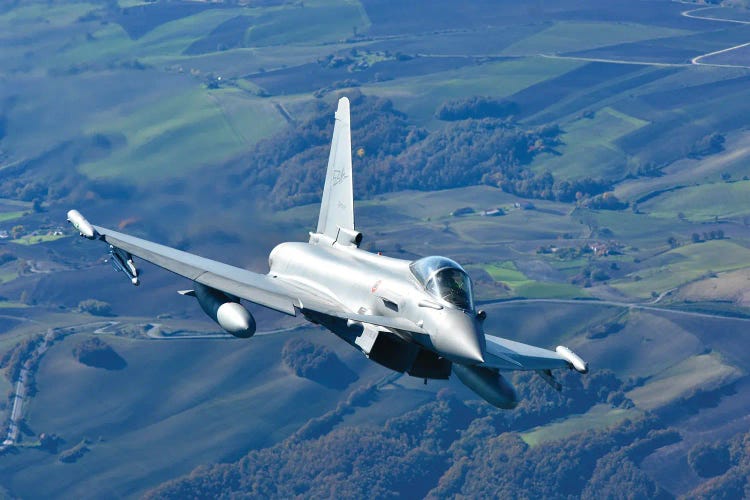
(707, 236)
(71, 455)
(731, 478)
(316, 362)
(96, 353)
(13, 359)
(707, 145)
(391, 154)
(95, 307)
(487, 465)
(443, 448)
(709, 460)
(476, 107)
(604, 201)
(6, 257)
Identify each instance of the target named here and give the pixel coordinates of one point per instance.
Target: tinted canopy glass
(445, 280)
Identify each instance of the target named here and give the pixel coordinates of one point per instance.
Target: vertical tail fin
(337, 206)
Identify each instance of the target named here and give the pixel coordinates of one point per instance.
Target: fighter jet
(417, 317)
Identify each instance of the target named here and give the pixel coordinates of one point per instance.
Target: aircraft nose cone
(460, 339)
(470, 348)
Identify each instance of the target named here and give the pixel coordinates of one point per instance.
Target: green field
(703, 203)
(522, 286)
(184, 132)
(420, 96)
(599, 417)
(4, 304)
(35, 239)
(590, 146)
(28, 16)
(8, 216)
(8, 273)
(564, 37)
(318, 22)
(684, 264)
(171, 38)
(706, 372)
(191, 422)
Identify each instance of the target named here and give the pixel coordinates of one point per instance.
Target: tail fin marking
(337, 205)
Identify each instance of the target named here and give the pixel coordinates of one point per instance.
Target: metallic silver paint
(373, 302)
(81, 224)
(235, 319)
(572, 358)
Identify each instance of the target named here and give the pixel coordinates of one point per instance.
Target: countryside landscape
(587, 162)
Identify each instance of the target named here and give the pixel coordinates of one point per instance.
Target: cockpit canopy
(444, 279)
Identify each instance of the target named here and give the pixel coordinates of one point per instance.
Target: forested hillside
(448, 448)
(391, 154)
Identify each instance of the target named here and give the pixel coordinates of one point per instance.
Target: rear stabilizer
(336, 219)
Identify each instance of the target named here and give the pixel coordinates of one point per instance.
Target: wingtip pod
(575, 361)
(81, 224)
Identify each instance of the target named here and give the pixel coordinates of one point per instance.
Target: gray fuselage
(370, 283)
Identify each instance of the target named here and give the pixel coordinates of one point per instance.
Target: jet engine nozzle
(225, 310)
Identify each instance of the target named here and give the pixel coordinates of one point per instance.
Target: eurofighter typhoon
(415, 317)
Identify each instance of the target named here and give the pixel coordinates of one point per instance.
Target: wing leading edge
(258, 288)
(505, 354)
(263, 289)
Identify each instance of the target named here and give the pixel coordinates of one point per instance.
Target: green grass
(707, 371)
(684, 264)
(8, 216)
(42, 238)
(437, 205)
(506, 272)
(548, 221)
(420, 96)
(702, 203)
(171, 38)
(190, 130)
(600, 416)
(41, 15)
(589, 146)
(9, 304)
(576, 36)
(634, 230)
(547, 290)
(8, 273)
(319, 21)
(123, 4)
(522, 286)
(205, 394)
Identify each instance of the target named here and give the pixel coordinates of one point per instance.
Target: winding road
(627, 305)
(21, 391)
(695, 61)
(21, 388)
